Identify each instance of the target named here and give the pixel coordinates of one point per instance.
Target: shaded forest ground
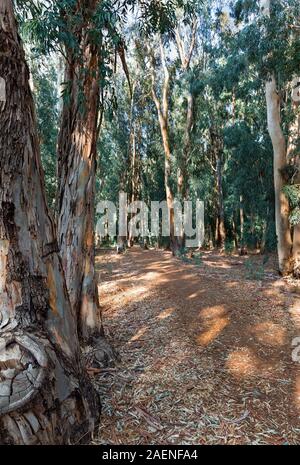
(206, 350)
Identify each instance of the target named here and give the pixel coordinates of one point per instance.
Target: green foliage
(197, 259)
(254, 271)
(229, 247)
(295, 216)
(194, 259)
(182, 255)
(292, 192)
(46, 98)
(234, 52)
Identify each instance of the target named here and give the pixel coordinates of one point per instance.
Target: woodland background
(160, 99)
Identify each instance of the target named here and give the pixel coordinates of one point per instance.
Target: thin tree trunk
(242, 221)
(183, 173)
(282, 210)
(168, 188)
(135, 181)
(133, 196)
(134, 178)
(263, 247)
(217, 231)
(221, 214)
(235, 235)
(45, 395)
(163, 115)
(243, 246)
(283, 231)
(185, 58)
(216, 151)
(77, 153)
(182, 181)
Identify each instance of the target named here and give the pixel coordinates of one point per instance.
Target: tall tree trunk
(221, 214)
(77, 152)
(282, 211)
(163, 115)
(135, 178)
(133, 162)
(183, 181)
(169, 192)
(283, 231)
(45, 395)
(217, 155)
(185, 59)
(183, 172)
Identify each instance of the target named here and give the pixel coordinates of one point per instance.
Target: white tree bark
(283, 230)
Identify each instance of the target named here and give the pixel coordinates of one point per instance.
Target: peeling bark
(77, 154)
(45, 395)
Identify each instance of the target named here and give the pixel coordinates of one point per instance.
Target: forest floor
(205, 350)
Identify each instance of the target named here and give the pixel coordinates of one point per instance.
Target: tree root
(100, 354)
(41, 400)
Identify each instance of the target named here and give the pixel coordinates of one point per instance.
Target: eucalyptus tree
(171, 67)
(282, 210)
(45, 394)
(266, 36)
(87, 34)
(279, 70)
(94, 27)
(162, 105)
(186, 41)
(77, 153)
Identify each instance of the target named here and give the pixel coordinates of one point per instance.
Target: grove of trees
(162, 99)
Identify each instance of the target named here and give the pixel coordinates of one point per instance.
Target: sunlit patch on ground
(269, 333)
(139, 334)
(206, 353)
(243, 363)
(213, 320)
(166, 313)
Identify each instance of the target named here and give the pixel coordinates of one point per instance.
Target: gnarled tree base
(41, 402)
(100, 354)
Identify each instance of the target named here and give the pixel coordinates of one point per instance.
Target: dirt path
(206, 351)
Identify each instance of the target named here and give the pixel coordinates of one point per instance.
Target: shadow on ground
(206, 352)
